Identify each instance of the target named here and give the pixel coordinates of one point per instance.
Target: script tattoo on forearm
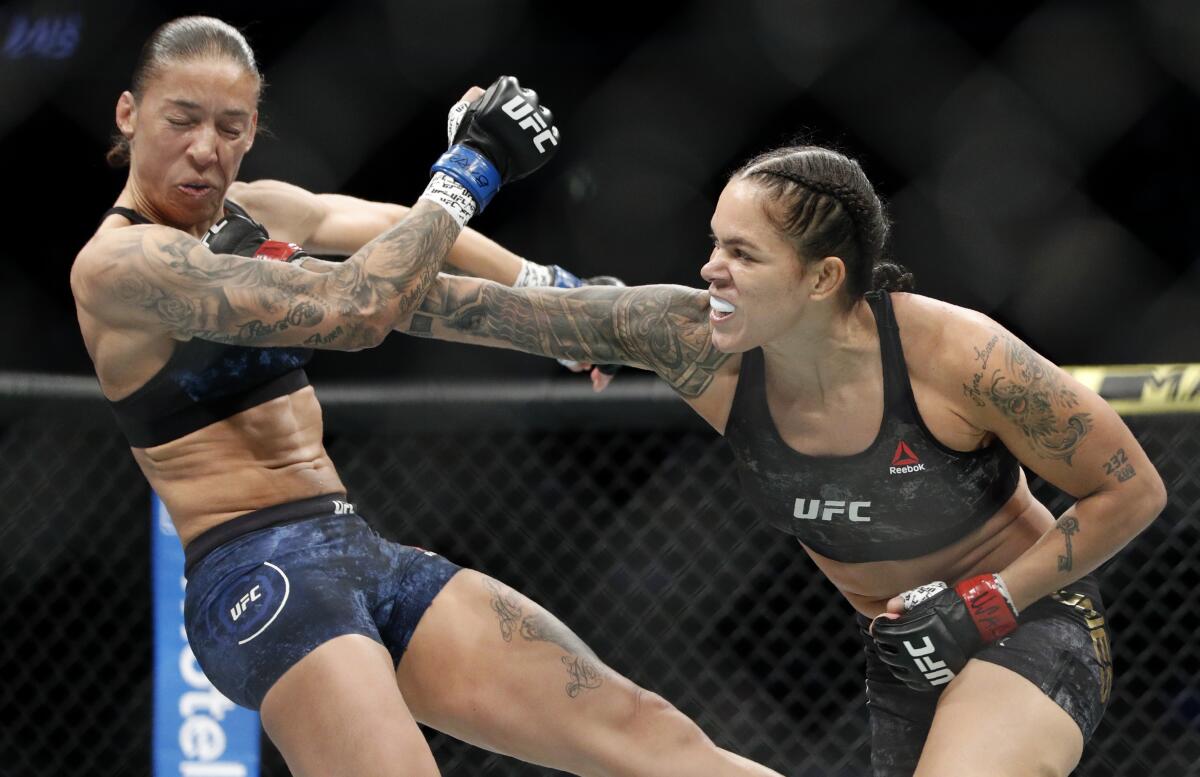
(1068, 525)
(584, 670)
(207, 296)
(662, 328)
(1031, 395)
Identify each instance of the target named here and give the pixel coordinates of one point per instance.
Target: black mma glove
(243, 236)
(942, 628)
(503, 136)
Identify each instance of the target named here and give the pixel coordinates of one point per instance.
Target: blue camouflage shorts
(267, 588)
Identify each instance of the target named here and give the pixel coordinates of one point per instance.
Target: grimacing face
(757, 284)
(187, 134)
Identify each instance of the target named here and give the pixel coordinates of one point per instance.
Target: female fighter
(888, 432)
(199, 326)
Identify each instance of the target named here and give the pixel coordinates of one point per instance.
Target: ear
(827, 277)
(126, 114)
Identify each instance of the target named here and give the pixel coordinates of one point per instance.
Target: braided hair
(829, 208)
(180, 40)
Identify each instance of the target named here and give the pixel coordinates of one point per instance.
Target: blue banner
(197, 731)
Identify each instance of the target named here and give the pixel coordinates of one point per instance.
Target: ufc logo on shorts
(342, 508)
(936, 672)
(809, 509)
(240, 608)
(523, 113)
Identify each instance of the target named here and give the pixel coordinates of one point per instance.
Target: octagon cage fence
(620, 512)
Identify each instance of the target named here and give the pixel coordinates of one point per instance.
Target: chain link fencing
(619, 513)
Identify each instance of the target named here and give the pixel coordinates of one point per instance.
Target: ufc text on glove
(504, 136)
(927, 646)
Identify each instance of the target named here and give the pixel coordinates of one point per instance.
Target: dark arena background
(1040, 162)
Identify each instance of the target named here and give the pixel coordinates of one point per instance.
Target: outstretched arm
(160, 278)
(660, 328)
(339, 225)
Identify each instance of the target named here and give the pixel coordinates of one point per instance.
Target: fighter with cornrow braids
(889, 433)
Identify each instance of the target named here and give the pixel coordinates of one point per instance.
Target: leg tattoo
(584, 674)
(507, 608)
(583, 667)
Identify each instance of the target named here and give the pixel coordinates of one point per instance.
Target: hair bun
(887, 276)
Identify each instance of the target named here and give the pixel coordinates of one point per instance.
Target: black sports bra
(904, 496)
(204, 382)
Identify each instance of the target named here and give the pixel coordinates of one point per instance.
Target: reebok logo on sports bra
(904, 461)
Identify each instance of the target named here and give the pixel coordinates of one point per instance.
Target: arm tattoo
(1033, 397)
(584, 670)
(233, 299)
(662, 328)
(1068, 525)
(1119, 467)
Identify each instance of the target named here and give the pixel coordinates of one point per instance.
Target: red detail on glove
(277, 251)
(993, 615)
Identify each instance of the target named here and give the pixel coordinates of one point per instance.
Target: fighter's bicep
(345, 224)
(1054, 425)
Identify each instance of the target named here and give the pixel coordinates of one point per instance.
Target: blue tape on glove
(564, 279)
(472, 169)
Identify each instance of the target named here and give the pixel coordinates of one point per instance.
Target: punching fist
(941, 629)
(503, 136)
(243, 236)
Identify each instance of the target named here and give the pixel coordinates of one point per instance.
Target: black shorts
(1060, 645)
(268, 587)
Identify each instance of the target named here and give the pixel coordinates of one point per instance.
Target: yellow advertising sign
(1138, 389)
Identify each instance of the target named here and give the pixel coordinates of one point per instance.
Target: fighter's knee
(649, 716)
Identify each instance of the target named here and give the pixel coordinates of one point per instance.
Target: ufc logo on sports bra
(520, 110)
(811, 509)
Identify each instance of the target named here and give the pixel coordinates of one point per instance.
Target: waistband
(288, 512)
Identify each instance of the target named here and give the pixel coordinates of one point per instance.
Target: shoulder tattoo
(1030, 394)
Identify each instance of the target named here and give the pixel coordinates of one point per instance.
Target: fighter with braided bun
(199, 314)
(889, 433)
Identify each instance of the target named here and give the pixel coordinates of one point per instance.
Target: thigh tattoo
(583, 667)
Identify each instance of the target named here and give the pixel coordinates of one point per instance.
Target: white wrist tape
(1004, 592)
(533, 274)
(452, 196)
(454, 119)
(911, 599)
